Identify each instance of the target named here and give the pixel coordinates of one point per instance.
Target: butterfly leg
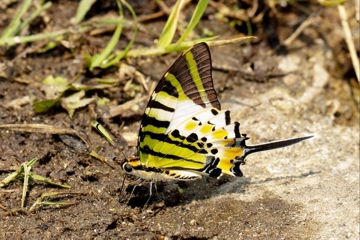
(147, 201)
(132, 192)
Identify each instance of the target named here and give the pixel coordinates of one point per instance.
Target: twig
(151, 16)
(4, 208)
(349, 40)
(297, 32)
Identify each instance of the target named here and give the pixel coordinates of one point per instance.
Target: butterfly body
(184, 134)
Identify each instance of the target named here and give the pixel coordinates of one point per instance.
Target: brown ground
(307, 191)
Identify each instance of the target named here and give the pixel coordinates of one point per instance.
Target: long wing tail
(273, 145)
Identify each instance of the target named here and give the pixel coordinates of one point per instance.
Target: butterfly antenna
(273, 145)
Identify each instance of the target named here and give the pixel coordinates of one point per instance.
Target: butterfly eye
(127, 168)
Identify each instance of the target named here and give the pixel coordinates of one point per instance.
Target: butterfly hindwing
(212, 135)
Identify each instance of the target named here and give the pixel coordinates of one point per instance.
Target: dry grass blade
(26, 183)
(349, 40)
(118, 110)
(15, 174)
(311, 20)
(4, 208)
(40, 201)
(47, 181)
(229, 41)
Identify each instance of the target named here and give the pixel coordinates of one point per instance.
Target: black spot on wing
(237, 130)
(227, 117)
(212, 169)
(203, 151)
(192, 138)
(214, 151)
(215, 172)
(176, 134)
(214, 112)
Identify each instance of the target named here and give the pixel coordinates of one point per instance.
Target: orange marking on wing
(232, 153)
(225, 165)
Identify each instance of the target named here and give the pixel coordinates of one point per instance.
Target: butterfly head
(134, 167)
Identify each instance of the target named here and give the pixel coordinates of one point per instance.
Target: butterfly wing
(183, 91)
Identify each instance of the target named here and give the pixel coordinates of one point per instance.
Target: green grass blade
(9, 41)
(168, 32)
(123, 53)
(40, 201)
(199, 11)
(95, 124)
(33, 15)
(83, 8)
(97, 60)
(14, 26)
(15, 174)
(40, 178)
(170, 48)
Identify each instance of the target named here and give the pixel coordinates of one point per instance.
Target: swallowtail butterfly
(184, 134)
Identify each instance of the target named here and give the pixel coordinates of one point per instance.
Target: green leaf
(75, 101)
(83, 8)
(199, 11)
(99, 59)
(124, 53)
(101, 101)
(44, 106)
(168, 32)
(54, 87)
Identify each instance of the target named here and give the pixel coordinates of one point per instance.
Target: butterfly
(184, 134)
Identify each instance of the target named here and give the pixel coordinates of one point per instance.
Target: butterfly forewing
(186, 89)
